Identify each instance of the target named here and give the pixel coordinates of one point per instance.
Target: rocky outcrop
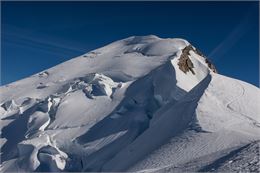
(185, 64)
(210, 65)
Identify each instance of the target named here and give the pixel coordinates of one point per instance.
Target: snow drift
(143, 104)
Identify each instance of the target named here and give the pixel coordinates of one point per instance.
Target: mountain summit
(143, 104)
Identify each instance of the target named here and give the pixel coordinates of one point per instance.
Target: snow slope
(128, 106)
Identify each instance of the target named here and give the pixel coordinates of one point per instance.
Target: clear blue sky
(39, 35)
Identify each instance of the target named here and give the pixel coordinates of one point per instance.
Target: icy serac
(142, 104)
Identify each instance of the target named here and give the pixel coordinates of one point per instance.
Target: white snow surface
(128, 107)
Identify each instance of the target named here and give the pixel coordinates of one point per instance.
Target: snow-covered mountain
(143, 104)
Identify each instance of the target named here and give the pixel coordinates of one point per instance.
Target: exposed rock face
(210, 65)
(185, 64)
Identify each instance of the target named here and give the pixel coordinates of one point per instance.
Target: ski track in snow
(230, 109)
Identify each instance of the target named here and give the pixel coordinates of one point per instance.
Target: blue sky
(38, 35)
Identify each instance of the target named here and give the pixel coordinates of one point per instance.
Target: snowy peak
(141, 103)
(123, 60)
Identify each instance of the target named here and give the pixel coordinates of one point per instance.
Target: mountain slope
(142, 103)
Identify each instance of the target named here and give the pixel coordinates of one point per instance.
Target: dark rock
(211, 66)
(185, 63)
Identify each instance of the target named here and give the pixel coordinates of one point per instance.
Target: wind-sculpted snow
(51, 159)
(171, 122)
(128, 106)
